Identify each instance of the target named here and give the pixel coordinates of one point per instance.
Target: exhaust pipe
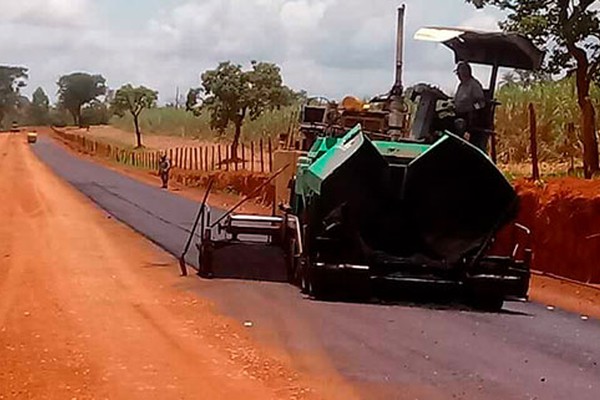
(400, 48)
(397, 106)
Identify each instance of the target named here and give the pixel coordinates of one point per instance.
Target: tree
(134, 100)
(570, 32)
(231, 94)
(509, 78)
(39, 108)
(192, 100)
(95, 112)
(12, 79)
(78, 89)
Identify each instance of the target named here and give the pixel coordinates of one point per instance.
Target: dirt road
(88, 309)
(394, 351)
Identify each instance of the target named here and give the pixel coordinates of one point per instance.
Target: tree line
(229, 93)
(569, 31)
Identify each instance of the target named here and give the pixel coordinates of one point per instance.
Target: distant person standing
(469, 102)
(164, 168)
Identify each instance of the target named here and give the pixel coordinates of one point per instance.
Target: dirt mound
(238, 182)
(564, 215)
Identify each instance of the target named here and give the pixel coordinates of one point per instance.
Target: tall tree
(78, 89)
(570, 32)
(39, 108)
(134, 100)
(230, 94)
(12, 79)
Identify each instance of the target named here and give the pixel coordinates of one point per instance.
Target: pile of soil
(564, 215)
(243, 183)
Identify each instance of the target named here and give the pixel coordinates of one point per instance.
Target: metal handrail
(199, 216)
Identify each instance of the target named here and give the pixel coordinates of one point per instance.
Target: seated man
(469, 101)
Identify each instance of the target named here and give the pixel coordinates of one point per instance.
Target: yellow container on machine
(32, 137)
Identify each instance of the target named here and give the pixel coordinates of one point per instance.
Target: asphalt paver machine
(413, 205)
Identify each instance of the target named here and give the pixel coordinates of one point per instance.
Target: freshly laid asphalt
(387, 351)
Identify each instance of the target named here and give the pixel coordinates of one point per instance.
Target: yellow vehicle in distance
(32, 137)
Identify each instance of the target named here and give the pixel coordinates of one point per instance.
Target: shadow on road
(259, 262)
(265, 263)
(440, 298)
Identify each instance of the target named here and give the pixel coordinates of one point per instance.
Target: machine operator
(469, 103)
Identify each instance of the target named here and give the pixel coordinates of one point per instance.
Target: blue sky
(327, 47)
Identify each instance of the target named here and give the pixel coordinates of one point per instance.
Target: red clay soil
(564, 215)
(90, 310)
(243, 183)
(570, 296)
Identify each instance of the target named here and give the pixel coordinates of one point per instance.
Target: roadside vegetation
(231, 96)
(171, 121)
(560, 137)
(236, 104)
(568, 32)
(132, 101)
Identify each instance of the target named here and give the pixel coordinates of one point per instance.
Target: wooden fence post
(252, 156)
(196, 158)
(234, 158)
(212, 160)
(533, 138)
(220, 159)
(270, 156)
(227, 157)
(243, 157)
(262, 156)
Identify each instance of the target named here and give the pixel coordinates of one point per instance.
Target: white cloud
(46, 12)
(329, 47)
(481, 20)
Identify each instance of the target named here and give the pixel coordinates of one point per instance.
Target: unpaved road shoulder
(90, 310)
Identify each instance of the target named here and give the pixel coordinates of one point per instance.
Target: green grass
(173, 122)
